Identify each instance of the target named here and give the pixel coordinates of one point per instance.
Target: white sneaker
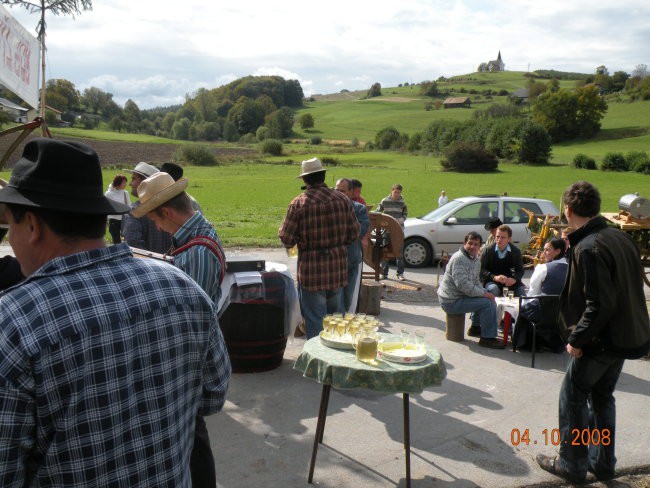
(401, 277)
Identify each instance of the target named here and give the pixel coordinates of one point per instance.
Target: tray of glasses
(397, 352)
(336, 342)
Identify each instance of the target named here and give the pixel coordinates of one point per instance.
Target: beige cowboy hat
(310, 166)
(156, 190)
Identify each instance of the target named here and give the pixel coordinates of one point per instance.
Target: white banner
(19, 65)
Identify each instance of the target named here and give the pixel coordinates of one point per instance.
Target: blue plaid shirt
(198, 261)
(105, 360)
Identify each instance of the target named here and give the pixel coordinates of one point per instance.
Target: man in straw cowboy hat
(140, 232)
(198, 252)
(321, 222)
(105, 359)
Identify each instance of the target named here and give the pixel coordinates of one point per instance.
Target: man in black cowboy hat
(491, 225)
(105, 359)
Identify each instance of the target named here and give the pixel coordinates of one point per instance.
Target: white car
(444, 228)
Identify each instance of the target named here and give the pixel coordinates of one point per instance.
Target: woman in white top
(117, 192)
(442, 199)
(553, 251)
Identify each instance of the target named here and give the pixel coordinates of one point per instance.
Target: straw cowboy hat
(143, 169)
(156, 190)
(310, 166)
(58, 175)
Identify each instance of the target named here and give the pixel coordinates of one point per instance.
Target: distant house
(521, 95)
(457, 102)
(493, 66)
(33, 113)
(16, 112)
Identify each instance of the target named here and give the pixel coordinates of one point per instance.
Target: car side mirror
(451, 221)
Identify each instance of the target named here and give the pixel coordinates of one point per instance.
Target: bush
(387, 138)
(469, 158)
(582, 161)
(369, 146)
(315, 140)
(614, 161)
(638, 161)
(329, 161)
(272, 147)
(415, 142)
(354, 142)
(262, 133)
(248, 138)
(195, 155)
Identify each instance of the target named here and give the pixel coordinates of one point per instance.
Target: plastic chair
(547, 320)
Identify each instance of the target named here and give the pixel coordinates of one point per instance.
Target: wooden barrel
(254, 328)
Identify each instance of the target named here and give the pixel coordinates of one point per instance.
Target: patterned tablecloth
(341, 369)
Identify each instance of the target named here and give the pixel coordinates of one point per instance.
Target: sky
(156, 52)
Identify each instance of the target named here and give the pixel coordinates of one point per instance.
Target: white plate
(335, 342)
(400, 355)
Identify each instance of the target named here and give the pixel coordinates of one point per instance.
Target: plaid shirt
(199, 262)
(142, 233)
(321, 221)
(105, 361)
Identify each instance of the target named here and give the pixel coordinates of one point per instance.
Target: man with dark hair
(198, 252)
(142, 233)
(106, 359)
(395, 206)
(502, 265)
(491, 225)
(356, 191)
(461, 291)
(321, 222)
(355, 253)
(604, 319)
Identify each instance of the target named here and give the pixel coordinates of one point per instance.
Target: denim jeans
(497, 289)
(354, 273)
(485, 311)
(314, 305)
(400, 266)
(587, 406)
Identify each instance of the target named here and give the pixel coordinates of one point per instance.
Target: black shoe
(474, 331)
(552, 465)
(602, 477)
(492, 343)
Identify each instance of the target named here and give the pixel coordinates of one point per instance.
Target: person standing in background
(442, 199)
(117, 193)
(395, 206)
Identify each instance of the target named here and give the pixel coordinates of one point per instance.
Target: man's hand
(509, 281)
(573, 351)
(489, 295)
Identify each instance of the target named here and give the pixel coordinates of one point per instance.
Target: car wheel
(417, 253)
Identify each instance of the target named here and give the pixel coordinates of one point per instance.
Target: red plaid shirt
(322, 223)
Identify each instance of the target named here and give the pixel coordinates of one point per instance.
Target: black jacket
(511, 266)
(602, 306)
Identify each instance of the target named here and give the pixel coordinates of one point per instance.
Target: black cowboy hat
(57, 175)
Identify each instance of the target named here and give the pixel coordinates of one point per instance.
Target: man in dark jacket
(502, 265)
(604, 319)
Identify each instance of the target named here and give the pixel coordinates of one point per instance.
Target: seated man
(461, 291)
(502, 265)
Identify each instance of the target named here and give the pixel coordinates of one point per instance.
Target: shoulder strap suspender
(212, 245)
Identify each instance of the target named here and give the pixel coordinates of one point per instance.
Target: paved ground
(460, 431)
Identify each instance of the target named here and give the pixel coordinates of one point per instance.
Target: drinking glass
(505, 291)
(511, 295)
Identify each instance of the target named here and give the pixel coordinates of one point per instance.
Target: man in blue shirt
(105, 359)
(198, 252)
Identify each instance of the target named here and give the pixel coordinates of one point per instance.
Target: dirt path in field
(128, 153)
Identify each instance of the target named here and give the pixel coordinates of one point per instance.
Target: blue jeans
(400, 265)
(497, 289)
(485, 310)
(314, 305)
(354, 272)
(587, 405)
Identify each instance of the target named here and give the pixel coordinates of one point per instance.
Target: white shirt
(442, 200)
(538, 277)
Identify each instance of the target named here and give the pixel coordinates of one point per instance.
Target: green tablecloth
(341, 369)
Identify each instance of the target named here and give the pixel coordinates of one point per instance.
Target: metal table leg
(320, 428)
(407, 439)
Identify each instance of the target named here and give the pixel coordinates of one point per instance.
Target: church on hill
(493, 66)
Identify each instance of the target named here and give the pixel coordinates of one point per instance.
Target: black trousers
(201, 461)
(114, 229)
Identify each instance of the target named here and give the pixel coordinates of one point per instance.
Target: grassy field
(247, 200)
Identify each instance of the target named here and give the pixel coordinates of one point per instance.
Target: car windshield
(444, 210)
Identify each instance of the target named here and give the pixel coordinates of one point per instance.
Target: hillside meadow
(246, 196)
